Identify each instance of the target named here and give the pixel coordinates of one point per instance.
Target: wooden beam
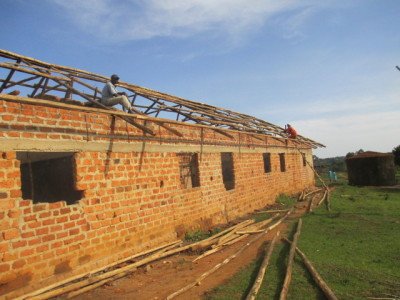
(10, 74)
(24, 70)
(288, 276)
(315, 275)
(261, 272)
(37, 87)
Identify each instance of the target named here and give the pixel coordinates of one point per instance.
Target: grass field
(355, 248)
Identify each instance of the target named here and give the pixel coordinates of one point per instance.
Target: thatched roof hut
(371, 168)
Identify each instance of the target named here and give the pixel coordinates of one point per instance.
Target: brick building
(83, 186)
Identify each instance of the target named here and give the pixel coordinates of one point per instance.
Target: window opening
(282, 162)
(303, 155)
(267, 162)
(189, 170)
(48, 177)
(228, 174)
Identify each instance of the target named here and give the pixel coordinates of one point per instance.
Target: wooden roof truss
(38, 78)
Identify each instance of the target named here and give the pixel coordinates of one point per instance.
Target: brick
(62, 219)
(55, 228)
(25, 203)
(45, 215)
(42, 248)
(48, 238)
(39, 207)
(74, 231)
(65, 210)
(4, 247)
(27, 252)
(42, 231)
(19, 244)
(69, 225)
(74, 217)
(10, 234)
(13, 214)
(7, 204)
(15, 194)
(61, 251)
(30, 218)
(56, 205)
(4, 268)
(34, 224)
(49, 222)
(56, 244)
(34, 241)
(27, 234)
(19, 264)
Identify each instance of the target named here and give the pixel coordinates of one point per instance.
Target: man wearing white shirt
(110, 96)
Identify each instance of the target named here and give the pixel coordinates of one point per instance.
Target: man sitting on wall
(292, 133)
(110, 95)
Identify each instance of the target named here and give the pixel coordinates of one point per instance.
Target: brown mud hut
(371, 168)
(82, 186)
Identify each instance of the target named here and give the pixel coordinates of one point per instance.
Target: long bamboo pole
(261, 272)
(317, 278)
(288, 276)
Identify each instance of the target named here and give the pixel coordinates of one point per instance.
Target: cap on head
(115, 77)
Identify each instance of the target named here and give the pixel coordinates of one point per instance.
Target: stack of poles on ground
(82, 283)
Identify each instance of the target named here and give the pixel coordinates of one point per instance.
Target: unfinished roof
(40, 79)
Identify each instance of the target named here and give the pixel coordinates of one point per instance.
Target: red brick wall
(132, 200)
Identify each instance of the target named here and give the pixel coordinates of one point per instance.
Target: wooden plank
(288, 276)
(263, 268)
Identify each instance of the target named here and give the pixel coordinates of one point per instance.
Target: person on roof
(291, 132)
(110, 96)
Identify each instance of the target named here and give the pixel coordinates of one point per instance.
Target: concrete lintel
(17, 144)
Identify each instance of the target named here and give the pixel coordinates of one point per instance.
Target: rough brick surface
(132, 200)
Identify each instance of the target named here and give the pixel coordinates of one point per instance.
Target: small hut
(371, 168)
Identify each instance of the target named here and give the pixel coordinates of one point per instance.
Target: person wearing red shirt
(292, 133)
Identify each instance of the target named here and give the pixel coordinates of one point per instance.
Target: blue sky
(326, 67)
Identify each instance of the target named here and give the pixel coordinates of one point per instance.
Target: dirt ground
(164, 277)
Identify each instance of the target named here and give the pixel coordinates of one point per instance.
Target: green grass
(355, 248)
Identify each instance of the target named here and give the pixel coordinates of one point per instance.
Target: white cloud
(141, 19)
(347, 124)
(375, 131)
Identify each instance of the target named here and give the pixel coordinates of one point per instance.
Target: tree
(396, 153)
